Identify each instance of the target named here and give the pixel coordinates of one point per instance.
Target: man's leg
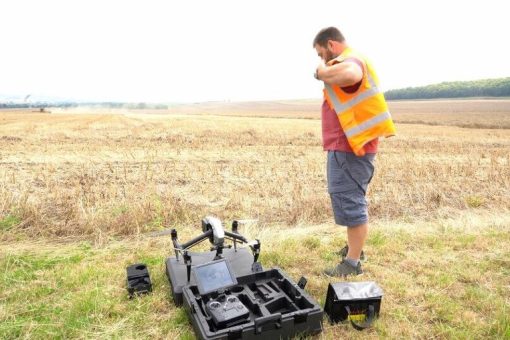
(356, 236)
(348, 178)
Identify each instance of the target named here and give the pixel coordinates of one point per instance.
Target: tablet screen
(213, 276)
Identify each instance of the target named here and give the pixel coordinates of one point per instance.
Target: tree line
(499, 87)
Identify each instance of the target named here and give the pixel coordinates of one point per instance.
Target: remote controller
(227, 311)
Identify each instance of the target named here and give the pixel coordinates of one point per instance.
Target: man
(354, 115)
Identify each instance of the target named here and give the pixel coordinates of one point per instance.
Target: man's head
(329, 43)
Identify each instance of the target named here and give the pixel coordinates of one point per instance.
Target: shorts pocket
(361, 170)
(339, 179)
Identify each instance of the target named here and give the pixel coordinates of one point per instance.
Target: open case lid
(213, 276)
(356, 290)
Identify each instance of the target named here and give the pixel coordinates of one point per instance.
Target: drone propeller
(248, 220)
(159, 233)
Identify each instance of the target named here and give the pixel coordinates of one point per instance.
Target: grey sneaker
(343, 253)
(344, 269)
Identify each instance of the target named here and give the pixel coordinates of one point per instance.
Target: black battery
(138, 279)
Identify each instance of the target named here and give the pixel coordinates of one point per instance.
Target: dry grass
(68, 174)
(439, 201)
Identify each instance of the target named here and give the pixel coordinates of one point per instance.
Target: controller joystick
(227, 311)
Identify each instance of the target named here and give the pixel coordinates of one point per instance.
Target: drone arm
(196, 240)
(236, 237)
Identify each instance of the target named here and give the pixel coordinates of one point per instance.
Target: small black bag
(351, 300)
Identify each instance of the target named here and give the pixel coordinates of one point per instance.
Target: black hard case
(279, 309)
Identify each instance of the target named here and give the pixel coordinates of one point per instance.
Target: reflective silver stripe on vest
(339, 107)
(367, 124)
(334, 99)
(372, 81)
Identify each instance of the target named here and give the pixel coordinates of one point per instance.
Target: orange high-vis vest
(364, 114)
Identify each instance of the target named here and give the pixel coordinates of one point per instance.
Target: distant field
(471, 113)
(79, 191)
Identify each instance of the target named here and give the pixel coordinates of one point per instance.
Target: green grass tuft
(9, 222)
(475, 201)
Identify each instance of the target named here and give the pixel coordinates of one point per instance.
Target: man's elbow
(352, 76)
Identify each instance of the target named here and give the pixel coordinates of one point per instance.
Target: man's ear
(330, 45)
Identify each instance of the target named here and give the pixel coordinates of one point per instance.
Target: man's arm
(343, 74)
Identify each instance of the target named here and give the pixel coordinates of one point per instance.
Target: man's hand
(319, 69)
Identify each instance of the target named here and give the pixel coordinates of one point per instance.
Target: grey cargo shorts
(348, 178)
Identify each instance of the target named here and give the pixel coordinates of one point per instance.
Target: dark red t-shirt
(333, 136)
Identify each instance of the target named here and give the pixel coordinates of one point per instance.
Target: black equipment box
(138, 279)
(265, 304)
(360, 302)
(240, 261)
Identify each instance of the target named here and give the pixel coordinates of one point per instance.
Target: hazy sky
(182, 51)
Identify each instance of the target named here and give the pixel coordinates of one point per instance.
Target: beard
(330, 55)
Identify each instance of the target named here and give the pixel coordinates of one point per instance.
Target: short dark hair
(329, 33)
